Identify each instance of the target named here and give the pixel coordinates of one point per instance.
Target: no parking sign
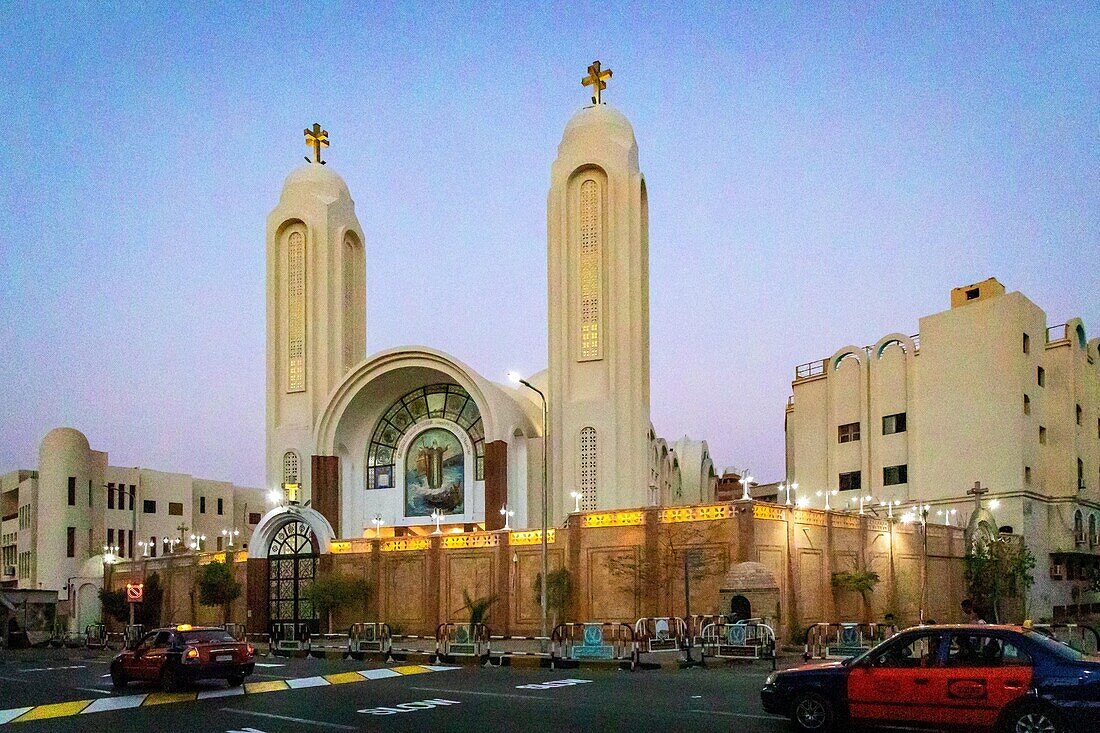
(135, 592)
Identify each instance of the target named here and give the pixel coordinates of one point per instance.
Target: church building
(411, 439)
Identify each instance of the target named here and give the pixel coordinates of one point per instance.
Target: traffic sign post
(135, 593)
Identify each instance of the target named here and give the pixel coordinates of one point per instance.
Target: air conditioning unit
(9, 570)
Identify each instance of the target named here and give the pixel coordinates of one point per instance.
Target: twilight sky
(816, 176)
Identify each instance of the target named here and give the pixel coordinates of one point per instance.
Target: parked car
(184, 653)
(973, 677)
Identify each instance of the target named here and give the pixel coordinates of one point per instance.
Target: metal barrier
(607, 640)
(95, 636)
(462, 640)
(133, 634)
(662, 634)
(748, 639)
(369, 637)
(235, 630)
(115, 640)
(1082, 637)
(843, 640)
(320, 644)
(700, 621)
(413, 644)
(259, 641)
(286, 638)
(521, 646)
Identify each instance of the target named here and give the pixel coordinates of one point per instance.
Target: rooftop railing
(817, 368)
(1057, 333)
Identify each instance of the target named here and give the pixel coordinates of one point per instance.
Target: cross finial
(597, 79)
(316, 139)
(978, 492)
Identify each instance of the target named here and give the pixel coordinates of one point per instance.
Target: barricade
(412, 644)
(520, 646)
(661, 634)
(607, 640)
(462, 640)
(369, 638)
(133, 634)
(700, 621)
(286, 639)
(115, 640)
(1082, 637)
(260, 642)
(235, 630)
(323, 645)
(95, 636)
(844, 640)
(747, 639)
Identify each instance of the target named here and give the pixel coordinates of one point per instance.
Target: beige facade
(58, 519)
(986, 392)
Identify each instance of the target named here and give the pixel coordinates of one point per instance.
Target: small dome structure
(598, 124)
(316, 179)
(65, 439)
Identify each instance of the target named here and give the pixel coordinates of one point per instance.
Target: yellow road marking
(411, 669)
(161, 698)
(54, 710)
(269, 686)
(343, 678)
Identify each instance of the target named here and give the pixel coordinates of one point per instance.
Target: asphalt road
(295, 695)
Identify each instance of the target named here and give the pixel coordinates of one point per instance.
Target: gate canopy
(277, 518)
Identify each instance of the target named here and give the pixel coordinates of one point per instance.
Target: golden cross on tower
(597, 79)
(316, 139)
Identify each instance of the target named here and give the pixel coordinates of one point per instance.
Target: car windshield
(1055, 647)
(208, 636)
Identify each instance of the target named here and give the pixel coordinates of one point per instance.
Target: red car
(185, 654)
(968, 677)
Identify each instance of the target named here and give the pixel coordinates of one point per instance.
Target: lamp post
(230, 534)
(826, 494)
(515, 377)
(376, 520)
(786, 488)
(864, 500)
(576, 501)
(437, 516)
(507, 514)
(745, 481)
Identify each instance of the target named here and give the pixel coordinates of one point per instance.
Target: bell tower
(598, 311)
(316, 309)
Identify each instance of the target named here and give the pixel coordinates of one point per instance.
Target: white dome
(599, 120)
(318, 179)
(65, 439)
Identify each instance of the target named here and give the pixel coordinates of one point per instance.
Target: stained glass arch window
(441, 401)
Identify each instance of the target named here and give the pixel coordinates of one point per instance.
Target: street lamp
(863, 500)
(196, 541)
(576, 501)
(275, 496)
(826, 494)
(794, 488)
(230, 534)
(515, 377)
(745, 481)
(786, 488)
(144, 547)
(507, 514)
(437, 516)
(110, 554)
(377, 522)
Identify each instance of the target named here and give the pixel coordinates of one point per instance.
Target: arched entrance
(740, 608)
(292, 567)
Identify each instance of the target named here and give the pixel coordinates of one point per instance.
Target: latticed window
(591, 233)
(296, 312)
(290, 468)
(352, 315)
(294, 538)
(588, 469)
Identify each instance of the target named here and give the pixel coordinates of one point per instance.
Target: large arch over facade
(270, 524)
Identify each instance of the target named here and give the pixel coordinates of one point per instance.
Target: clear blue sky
(817, 176)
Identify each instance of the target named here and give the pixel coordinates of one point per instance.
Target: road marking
(64, 709)
(409, 707)
(52, 669)
(114, 703)
(54, 710)
(304, 721)
(568, 682)
(268, 664)
(483, 694)
(95, 690)
(738, 715)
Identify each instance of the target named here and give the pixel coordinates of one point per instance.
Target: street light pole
(545, 490)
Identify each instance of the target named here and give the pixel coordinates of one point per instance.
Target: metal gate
(292, 567)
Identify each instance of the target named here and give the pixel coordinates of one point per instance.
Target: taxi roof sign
(135, 592)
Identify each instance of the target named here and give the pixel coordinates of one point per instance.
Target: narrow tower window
(588, 469)
(591, 220)
(296, 312)
(290, 467)
(352, 277)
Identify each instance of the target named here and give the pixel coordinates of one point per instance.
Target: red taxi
(184, 654)
(967, 677)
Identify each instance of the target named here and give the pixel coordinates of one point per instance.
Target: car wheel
(1032, 718)
(236, 680)
(168, 680)
(118, 679)
(812, 713)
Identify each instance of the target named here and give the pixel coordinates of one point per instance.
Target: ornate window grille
(591, 235)
(588, 469)
(296, 312)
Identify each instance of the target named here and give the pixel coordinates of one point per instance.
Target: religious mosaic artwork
(434, 474)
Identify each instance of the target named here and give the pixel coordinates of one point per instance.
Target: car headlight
(771, 679)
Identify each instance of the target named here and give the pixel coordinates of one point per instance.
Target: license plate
(224, 658)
